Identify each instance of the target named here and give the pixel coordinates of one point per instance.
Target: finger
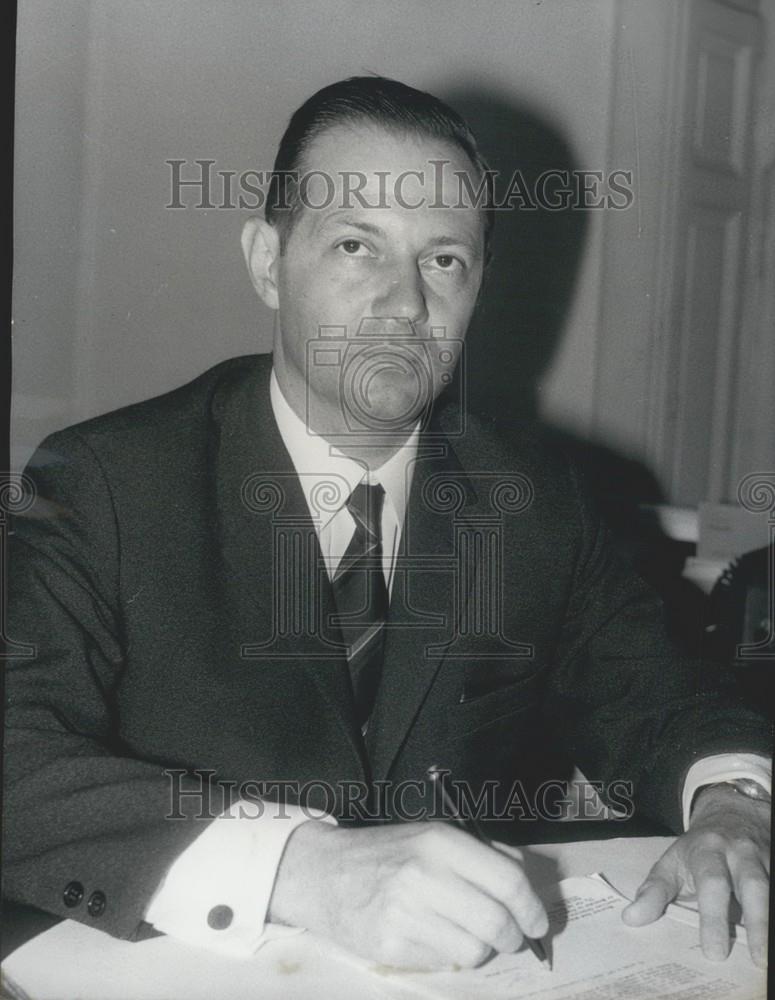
(470, 908)
(425, 941)
(457, 948)
(658, 889)
(500, 876)
(752, 888)
(714, 891)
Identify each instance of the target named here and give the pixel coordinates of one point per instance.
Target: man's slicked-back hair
(374, 100)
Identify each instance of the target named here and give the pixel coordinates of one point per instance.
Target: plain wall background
(117, 298)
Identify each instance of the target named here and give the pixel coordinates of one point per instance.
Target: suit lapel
(260, 508)
(270, 556)
(422, 607)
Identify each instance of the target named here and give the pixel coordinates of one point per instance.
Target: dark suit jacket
(152, 577)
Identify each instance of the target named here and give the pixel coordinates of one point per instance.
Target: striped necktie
(362, 599)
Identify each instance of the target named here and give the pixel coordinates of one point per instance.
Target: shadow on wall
(536, 254)
(518, 327)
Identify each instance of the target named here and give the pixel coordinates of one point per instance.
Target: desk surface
(72, 960)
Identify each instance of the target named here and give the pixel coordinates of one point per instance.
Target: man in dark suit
(289, 588)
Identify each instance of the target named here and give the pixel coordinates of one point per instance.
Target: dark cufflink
(220, 917)
(96, 904)
(73, 894)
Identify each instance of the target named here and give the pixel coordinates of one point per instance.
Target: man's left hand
(725, 852)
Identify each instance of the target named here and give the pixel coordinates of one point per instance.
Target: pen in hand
(436, 778)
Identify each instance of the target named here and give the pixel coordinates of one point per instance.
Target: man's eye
(353, 248)
(447, 262)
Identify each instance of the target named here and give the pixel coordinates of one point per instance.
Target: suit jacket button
(73, 894)
(96, 904)
(220, 917)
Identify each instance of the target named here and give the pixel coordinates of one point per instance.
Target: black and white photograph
(387, 542)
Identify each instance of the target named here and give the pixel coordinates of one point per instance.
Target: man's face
(374, 301)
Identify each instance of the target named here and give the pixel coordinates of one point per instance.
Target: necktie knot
(365, 506)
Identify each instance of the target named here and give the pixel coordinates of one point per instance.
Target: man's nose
(403, 294)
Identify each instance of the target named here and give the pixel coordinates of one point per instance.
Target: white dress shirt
(328, 478)
(234, 861)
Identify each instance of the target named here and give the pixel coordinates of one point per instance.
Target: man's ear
(261, 247)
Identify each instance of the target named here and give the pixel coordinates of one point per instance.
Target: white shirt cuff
(227, 875)
(724, 767)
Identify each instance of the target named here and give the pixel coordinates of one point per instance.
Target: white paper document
(595, 957)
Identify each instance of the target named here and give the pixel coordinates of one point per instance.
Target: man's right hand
(419, 895)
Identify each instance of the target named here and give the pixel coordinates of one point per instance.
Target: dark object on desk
(20, 923)
(741, 624)
(570, 831)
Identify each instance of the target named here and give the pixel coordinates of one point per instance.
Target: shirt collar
(317, 462)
